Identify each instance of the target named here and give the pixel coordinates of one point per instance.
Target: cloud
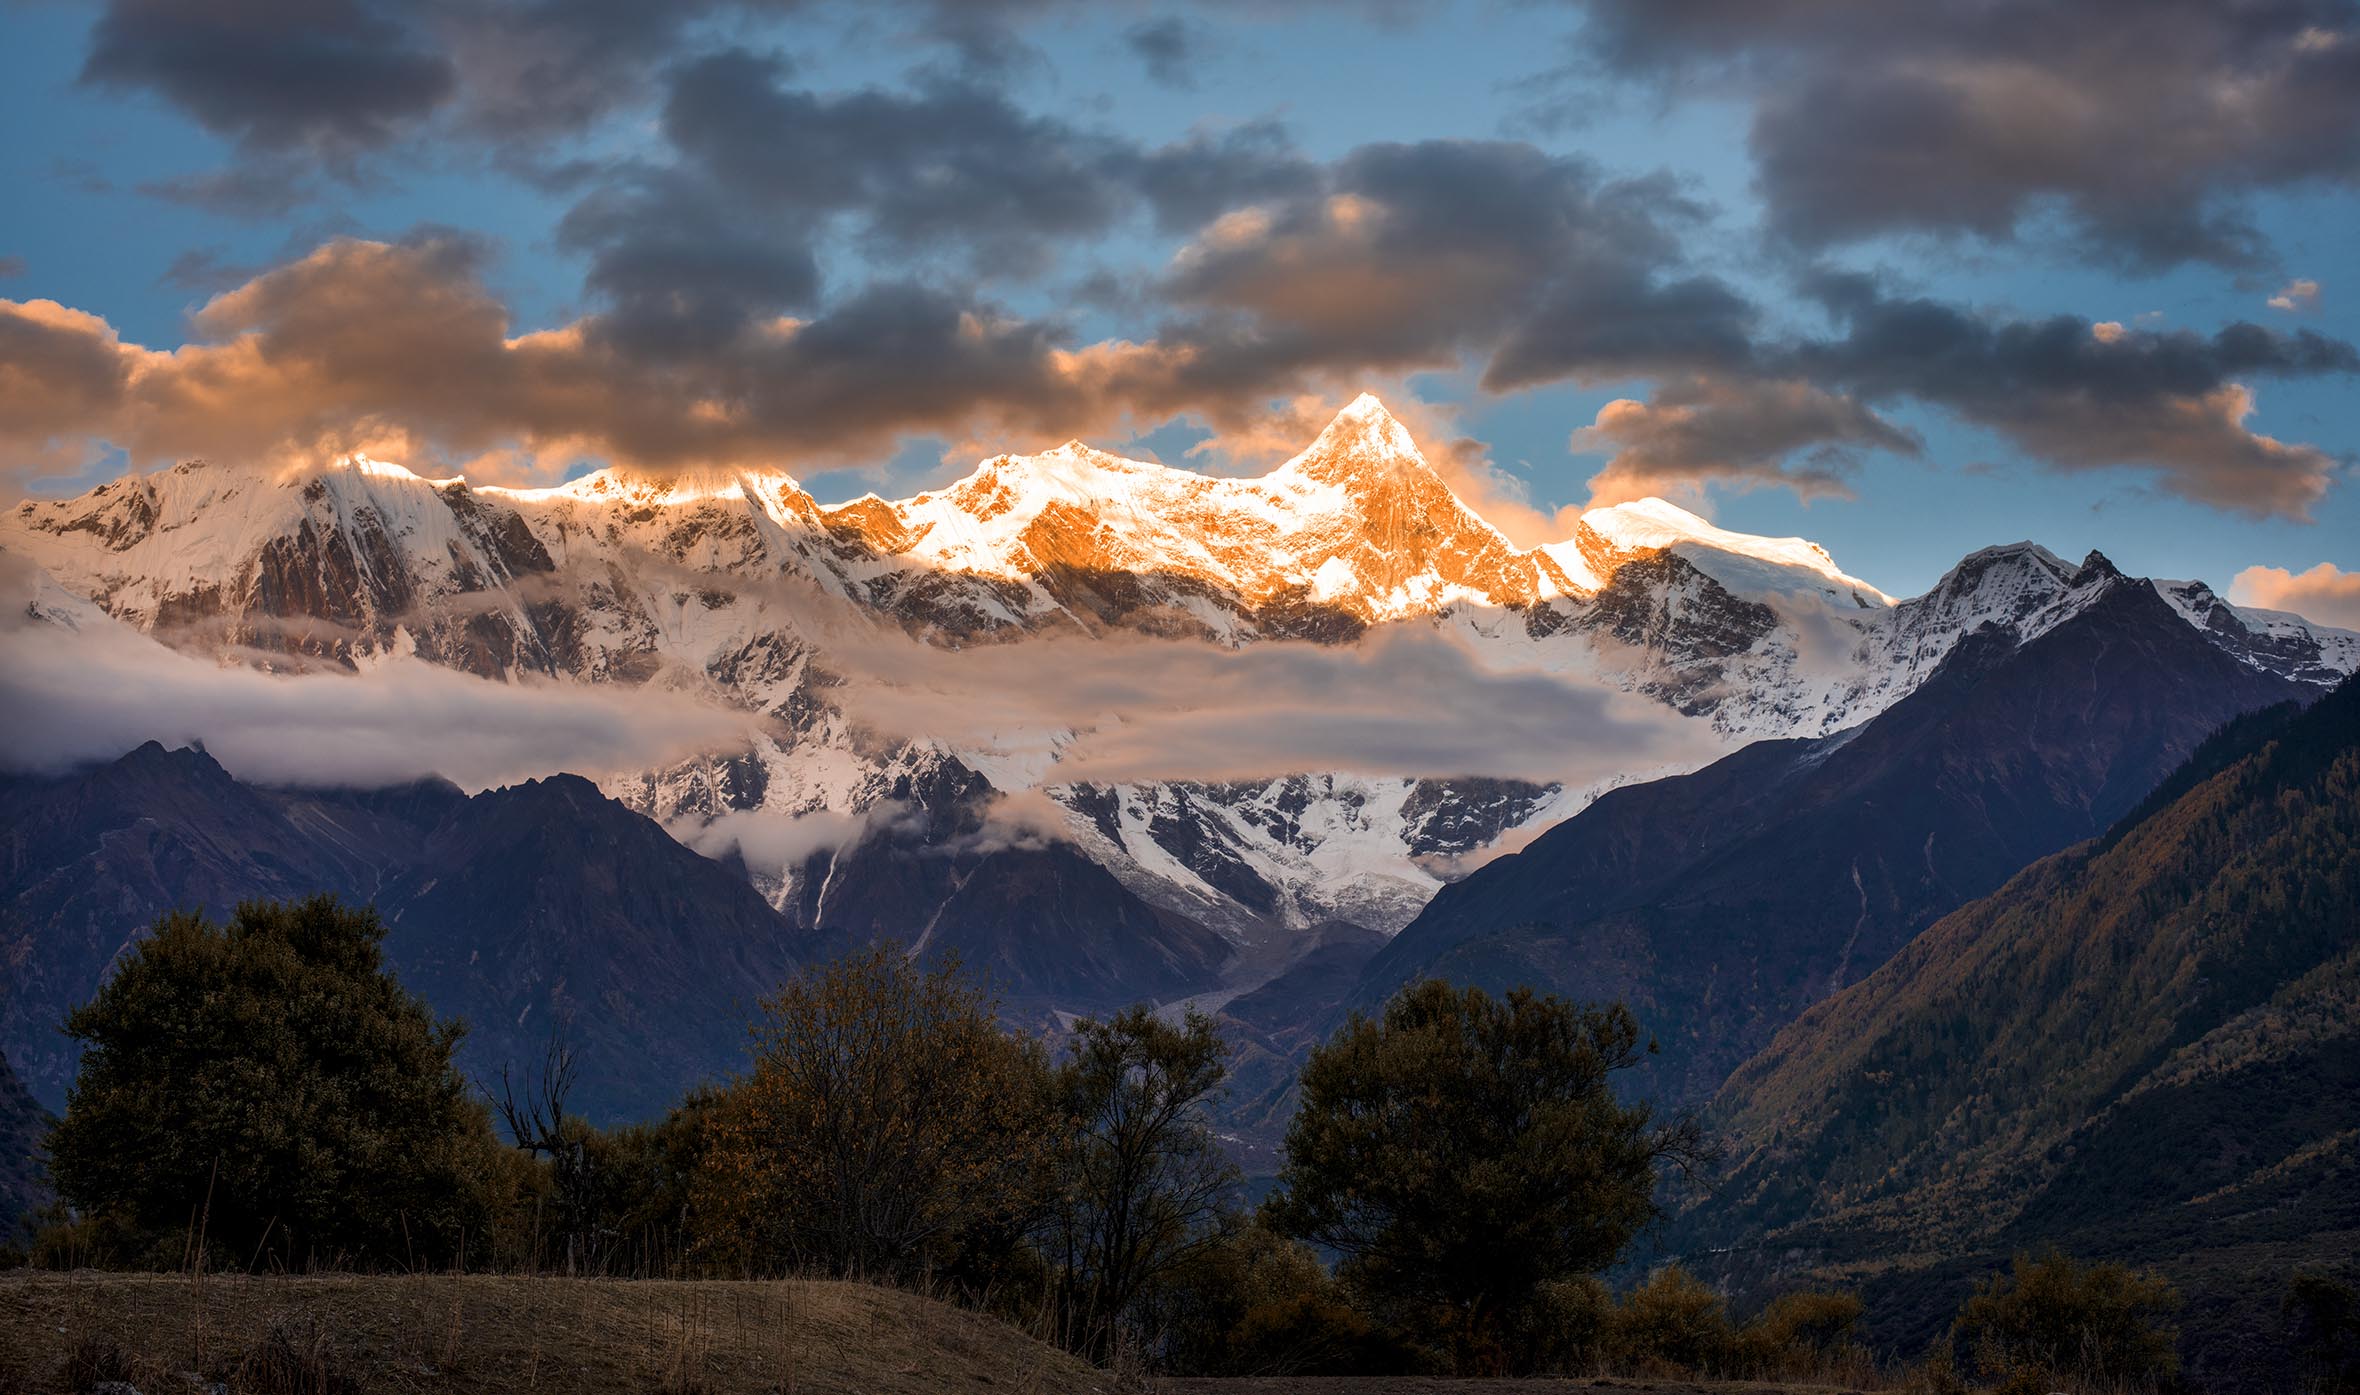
(400, 349)
(2296, 296)
(2139, 125)
(1412, 254)
(1169, 48)
(96, 690)
(772, 844)
(2325, 593)
(1407, 700)
(2172, 402)
(1745, 433)
(331, 76)
(953, 163)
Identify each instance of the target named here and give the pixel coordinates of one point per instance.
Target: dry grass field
(164, 1335)
(73, 1334)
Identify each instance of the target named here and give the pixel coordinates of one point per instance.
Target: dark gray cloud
(1616, 326)
(2071, 394)
(953, 164)
(683, 264)
(535, 69)
(334, 76)
(2078, 395)
(338, 78)
(1745, 432)
(1189, 182)
(767, 178)
(1415, 254)
(401, 350)
(2140, 124)
(270, 186)
(1169, 48)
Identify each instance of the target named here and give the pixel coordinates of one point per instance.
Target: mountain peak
(1363, 443)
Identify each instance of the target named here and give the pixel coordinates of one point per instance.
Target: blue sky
(1667, 142)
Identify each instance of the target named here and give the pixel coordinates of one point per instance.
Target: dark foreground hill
(2146, 1047)
(1721, 904)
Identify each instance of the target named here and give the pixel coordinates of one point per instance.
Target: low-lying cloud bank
(1407, 700)
(95, 690)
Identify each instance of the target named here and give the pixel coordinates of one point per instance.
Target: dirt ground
(1429, 1385)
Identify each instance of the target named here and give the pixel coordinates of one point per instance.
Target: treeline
(264, 1096)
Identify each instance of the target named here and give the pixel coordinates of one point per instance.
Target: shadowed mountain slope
(1722, 904)
(2146, 1047)
(522, 908)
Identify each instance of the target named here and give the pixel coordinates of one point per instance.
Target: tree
(1142, 1185)
(540, 1125)
(886, 1119)
(2050, 1317)
(1466, 1149)
(267, 1085)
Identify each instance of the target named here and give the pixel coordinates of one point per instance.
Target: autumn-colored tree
(1142, 1186)
(1464, 1150)
(886, 1119)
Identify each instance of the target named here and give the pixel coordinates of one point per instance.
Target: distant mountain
(516, 909)
(2144, 1047)
(740, 585)
(1722, 904)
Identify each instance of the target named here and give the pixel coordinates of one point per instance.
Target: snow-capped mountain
(740, 586)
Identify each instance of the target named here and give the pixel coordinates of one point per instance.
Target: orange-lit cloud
(2325, 593)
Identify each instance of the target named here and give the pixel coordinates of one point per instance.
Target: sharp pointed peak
(1363, 441)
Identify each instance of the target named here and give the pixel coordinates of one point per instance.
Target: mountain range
(1856, 766)
(740, 589)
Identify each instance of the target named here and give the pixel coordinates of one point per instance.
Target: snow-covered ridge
(1778, 563)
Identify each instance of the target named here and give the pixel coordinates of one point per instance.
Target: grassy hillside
(497, 1334)
(2147, 1046)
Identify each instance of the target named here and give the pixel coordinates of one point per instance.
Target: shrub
(1564, 1326)
(1259, 1304)
(1671, 1324)
(1805, 1333)
(2050, 1319)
